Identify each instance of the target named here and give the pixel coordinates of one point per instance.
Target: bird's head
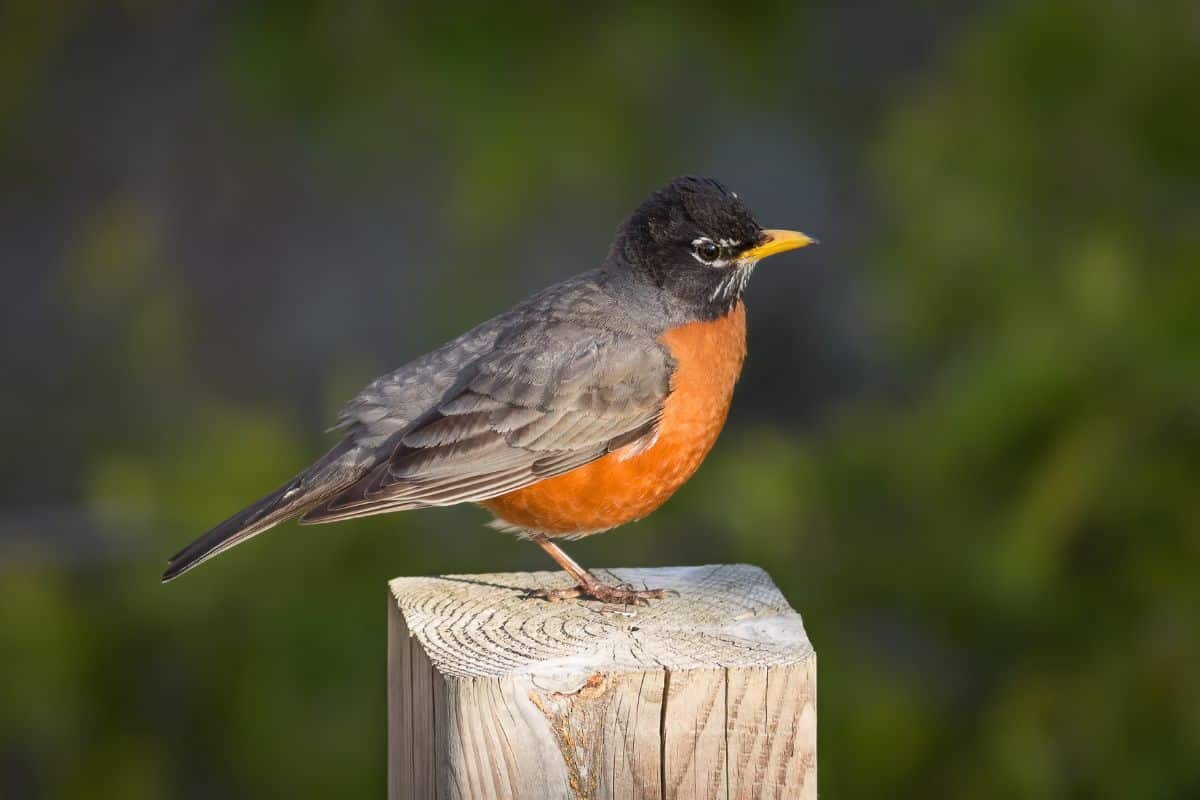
(698, 241)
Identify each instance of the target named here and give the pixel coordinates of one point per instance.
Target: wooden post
(710, 693)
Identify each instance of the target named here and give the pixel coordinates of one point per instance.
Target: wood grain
(710, 693)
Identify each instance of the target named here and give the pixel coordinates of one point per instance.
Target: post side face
(771, 732)
(412, 735)
(591, 704)
(720, 734)
(399, 710)
(496, 745)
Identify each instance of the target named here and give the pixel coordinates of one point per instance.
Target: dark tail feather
(292, 499)
(269, 511)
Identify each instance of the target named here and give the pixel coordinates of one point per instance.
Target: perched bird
(584, 407)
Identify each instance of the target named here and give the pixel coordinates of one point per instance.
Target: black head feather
(685, 238)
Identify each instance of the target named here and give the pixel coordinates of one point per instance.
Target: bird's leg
(588, 585)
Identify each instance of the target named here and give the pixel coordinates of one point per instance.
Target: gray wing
(554, 393)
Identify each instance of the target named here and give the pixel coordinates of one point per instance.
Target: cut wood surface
(709, 693)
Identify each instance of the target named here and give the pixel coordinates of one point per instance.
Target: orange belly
(627, 485)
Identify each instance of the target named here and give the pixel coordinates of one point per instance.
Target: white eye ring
(706, 251)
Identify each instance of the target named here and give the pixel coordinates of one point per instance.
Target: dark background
(966, 444)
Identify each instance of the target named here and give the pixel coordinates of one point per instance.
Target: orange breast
(627, 485)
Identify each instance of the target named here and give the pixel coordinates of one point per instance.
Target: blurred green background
(967, 442)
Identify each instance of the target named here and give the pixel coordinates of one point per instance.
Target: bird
(584, 407)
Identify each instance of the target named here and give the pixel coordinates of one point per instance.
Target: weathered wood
(710, 693)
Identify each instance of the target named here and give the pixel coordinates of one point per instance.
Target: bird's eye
(706, 250)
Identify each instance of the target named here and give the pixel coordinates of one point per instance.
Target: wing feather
(547, 401)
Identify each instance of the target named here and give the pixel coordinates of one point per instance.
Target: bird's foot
(622, 595)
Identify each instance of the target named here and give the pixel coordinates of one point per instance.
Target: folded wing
(547, 399)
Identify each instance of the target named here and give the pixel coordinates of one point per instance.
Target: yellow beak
(776, 241)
